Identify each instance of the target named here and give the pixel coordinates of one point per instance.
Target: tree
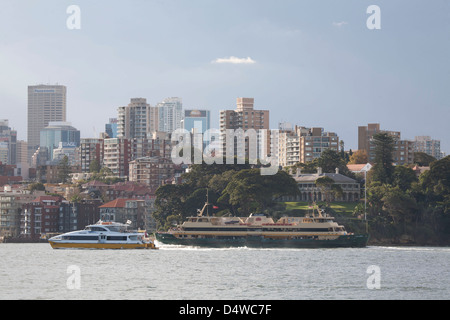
(403, 177)
(330, 160)
(383, 169)
(359, 157)
(94, 166)
(423, 159)
(63, 170)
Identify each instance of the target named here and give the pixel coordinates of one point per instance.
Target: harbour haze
(35, 271)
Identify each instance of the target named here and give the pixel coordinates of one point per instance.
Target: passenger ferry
(315, 230)
(103, 235)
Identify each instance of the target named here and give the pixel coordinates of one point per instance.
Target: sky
(312, 63)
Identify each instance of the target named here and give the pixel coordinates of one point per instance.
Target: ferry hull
(59, 245)
(347, 241)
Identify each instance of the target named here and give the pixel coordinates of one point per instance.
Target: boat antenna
(207, 202)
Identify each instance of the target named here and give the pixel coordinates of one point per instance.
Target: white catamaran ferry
(103, 235)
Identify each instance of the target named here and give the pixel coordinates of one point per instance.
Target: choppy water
(36, 271)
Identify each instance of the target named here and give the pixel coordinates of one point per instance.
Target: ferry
(103, 235)
(315, 230)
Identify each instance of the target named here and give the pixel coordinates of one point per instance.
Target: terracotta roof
(118, 203)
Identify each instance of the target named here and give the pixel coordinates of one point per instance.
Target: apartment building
(301, 144)
(245, 117)
(40, 217)
(403, 149)
(117, 155)
(136, 120)
(152, 171)
(427, 145)
(11, 202)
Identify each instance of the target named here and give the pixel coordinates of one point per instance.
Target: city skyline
(308, 64)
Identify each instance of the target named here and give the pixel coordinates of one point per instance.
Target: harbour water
(35, 271)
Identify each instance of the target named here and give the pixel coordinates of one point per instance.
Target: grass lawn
(341, 207)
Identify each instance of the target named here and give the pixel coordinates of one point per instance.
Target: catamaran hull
(347, 241)
(59, 245)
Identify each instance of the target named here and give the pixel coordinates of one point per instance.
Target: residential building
(76, 216)
(40, 217)
(403, 149)
(134, 120)
(429, 146)
(117, 155)
(245, 117)
(11, 201)
(90, 150)
(123, 210)
(46, 103)
(152, 171)
(301, 144)
(170, 114)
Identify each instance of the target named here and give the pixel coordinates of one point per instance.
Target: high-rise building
(134, 120)
(198, 120)
(8, 143)
(427, 145)
(90, 150)
(46, 103)
(117, 155)
(245, 117)
(111, 128)
(57, 132)
(403, 149)
(170, 114)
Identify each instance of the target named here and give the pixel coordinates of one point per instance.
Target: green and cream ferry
(315, 230)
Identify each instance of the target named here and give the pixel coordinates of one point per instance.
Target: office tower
(111, 128)
(196, 119)
(403, 149)
(46, 103)
(170, 114)
(427, 145)
(245, 117)
(134, 120)
(57, 132)
(8, 143)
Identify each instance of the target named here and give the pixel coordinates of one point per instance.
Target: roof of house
(312, 177)
(117, 203)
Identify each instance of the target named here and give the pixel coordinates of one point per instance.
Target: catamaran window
(96, 229)
(117, 238)
(86, 238)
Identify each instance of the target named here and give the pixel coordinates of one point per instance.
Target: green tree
(63, 170)
(403, 177)
(94, 166)
(423, 159)
(383, 169)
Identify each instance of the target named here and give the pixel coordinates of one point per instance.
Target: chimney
(299, 172)
(337, 170)
(319, 170)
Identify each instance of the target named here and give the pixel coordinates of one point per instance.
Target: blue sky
(315, 63)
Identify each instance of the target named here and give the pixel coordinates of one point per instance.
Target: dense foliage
(231, 189)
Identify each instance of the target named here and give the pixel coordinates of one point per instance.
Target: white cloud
(235, 60)
(339, 24)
